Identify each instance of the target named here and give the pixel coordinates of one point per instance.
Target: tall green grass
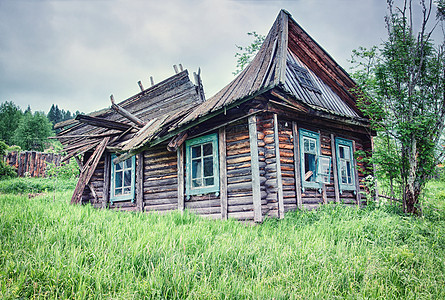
(56, 250)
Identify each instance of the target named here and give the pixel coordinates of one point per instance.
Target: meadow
(52, 250)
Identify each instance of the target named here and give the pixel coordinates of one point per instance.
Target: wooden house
(281, 136)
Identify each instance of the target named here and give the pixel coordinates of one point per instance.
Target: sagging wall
(279, 191)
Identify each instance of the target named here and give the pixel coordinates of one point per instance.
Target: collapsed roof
(289, 61)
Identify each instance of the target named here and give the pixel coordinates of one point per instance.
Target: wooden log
(357, 180)
(88, 171)
(177, 141)
(278, 170)
(255, 176)
(334, 169)
(125, 113)
(140, 181)
(158, 195)
(223, 171)
(180, 173)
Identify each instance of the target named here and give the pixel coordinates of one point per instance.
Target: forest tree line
(27, 129)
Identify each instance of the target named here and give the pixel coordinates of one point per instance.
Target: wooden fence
(31, 163)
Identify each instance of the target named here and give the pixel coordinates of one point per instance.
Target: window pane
(208, 166)
(347, 153)
(196, 182)
(342, 151)
(127, 178)
(309, 167)
(128, 163)
(343, 172)
(196, 151)
(207, 149)
(209, 181)
(118, 192)
(312, 146)
(118, 180)
(348, 172)
(119, 166)
(127, 190)
(196, 168)
(306, 145)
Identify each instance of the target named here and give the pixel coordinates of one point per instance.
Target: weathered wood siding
(239, 171)
(266, 136)
(160, 180)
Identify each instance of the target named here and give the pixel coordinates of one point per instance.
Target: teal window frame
(306, 134)
(201, 141)
(127, 196)
(341, 142)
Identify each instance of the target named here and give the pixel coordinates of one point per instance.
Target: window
(345, 164)
(309, 154)
(304, 78)
(122, 180)
(202, 172)
(324, 169)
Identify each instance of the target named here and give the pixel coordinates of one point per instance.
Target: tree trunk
(412, 200)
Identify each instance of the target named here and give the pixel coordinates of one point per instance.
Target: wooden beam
(141, 86)
(107, 173)
(180, 167)
(278, 164)
(104, 123)
(334, 169)
(358, 197)
(88, 170)
(256, 183)
(90, 186)
(140, 181)
(177, 141)
(125, 113)
(297, 165)
(222, 171)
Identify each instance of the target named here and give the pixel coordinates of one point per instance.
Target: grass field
(50, 249)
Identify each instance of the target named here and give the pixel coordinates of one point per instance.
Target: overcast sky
(76, 53)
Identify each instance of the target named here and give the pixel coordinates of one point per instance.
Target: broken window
(345, 164)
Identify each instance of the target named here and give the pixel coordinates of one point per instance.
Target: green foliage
(33, 132)
(66, 170)
(22, 185)
(402, 92)
(6, 171)
(246, 54)
(10, 116)
(55, 250)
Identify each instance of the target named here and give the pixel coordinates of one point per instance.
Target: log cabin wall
(97, 182)
(269, 177)
(160, 183)
(286, 146)
(239, 171)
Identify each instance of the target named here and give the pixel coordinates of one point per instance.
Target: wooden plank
(297, 166)
(88, 171)
(140, 181)
(125, 113)
(334, 169)
(256, 183)
(358, 197)
(278, 162)
(180, 163)
(104, 123)
(223, 171)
